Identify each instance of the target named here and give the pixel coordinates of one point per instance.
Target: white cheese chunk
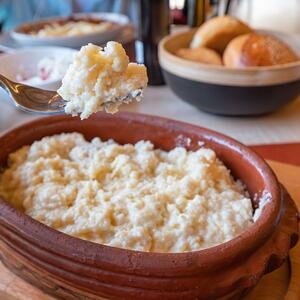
(101, 79)
(128, 196)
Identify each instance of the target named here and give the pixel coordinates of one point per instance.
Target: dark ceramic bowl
(71, 268)
(228, 91)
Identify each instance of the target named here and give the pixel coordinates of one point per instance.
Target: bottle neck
(196, 12)
(153, 26)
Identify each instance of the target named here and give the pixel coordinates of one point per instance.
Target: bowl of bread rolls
(226, 67)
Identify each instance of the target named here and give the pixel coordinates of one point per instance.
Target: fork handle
(5, 83)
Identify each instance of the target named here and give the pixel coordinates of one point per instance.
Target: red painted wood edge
(285, 153)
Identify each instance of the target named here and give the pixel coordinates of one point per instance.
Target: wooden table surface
(285, 153)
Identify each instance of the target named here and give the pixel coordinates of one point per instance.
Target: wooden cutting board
(283, 283)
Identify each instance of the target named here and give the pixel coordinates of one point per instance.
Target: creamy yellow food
(127, 196)
(72, 28)
(101, 79)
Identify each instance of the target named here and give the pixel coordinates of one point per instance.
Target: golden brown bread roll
(217, 32)
(201, 55)
(257, 50)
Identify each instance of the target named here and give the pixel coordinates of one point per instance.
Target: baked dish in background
(72, 28)
(73, 31)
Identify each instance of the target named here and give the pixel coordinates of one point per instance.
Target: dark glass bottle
(196, 12)
(154, 24)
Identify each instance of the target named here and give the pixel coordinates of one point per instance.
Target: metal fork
(31, 99)
(39, 101)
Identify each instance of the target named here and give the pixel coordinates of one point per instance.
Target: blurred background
(282, 15)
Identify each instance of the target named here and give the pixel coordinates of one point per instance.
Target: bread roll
(201, 55)
(217, 32)
(254, 50)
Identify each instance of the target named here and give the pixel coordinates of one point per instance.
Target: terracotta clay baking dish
(70, 268)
